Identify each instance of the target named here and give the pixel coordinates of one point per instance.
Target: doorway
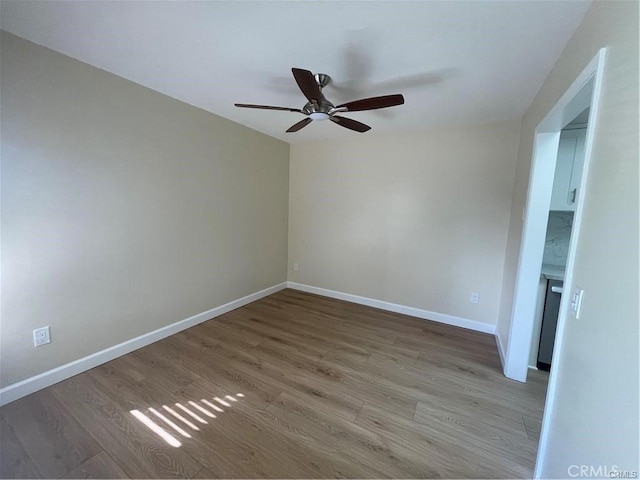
(566, 182)
(583, 94)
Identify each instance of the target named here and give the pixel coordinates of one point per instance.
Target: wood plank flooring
(291, 386)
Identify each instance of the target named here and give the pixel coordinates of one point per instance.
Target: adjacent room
(319, 239)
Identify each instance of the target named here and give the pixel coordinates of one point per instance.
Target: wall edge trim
(397, 308)
(31, 385)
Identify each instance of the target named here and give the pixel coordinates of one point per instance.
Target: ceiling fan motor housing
(325, 106)
(322, 109)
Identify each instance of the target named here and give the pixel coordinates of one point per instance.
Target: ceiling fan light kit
(319, 116)
(318, 108)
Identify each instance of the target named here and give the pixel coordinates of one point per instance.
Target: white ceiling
(456, 62)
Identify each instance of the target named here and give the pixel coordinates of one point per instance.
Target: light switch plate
(576, 301)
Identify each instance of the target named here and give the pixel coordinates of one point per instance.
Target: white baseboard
(396, 308)
(501, 352)
(30, 385)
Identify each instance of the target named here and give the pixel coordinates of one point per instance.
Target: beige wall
(594, 416)
(417, 219)
(123, 210)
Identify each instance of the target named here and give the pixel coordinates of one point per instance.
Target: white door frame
(584, 92)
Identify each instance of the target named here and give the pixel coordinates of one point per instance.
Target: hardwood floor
(291, 386)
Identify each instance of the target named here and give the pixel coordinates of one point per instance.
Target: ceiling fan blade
(350, 124)
(430, 77)
(374, 103)
(307, 83)
(267, 107)
(299, 125)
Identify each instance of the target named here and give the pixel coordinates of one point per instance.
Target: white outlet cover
(41, 336)
(475, 298)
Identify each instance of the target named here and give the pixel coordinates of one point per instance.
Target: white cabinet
(566, 180)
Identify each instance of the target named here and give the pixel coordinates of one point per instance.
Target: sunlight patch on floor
(155, 428)
(180, 417)
(203, 410)
(222, 402)
(171, 420)
(209, 404)
(178, 429)
(191, 414)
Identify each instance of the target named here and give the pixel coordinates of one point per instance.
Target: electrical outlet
(296, 267)
(41, 336)
(475, 297)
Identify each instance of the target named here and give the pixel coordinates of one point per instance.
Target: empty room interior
(319, 239)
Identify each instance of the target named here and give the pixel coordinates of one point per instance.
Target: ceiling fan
(319, 108)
